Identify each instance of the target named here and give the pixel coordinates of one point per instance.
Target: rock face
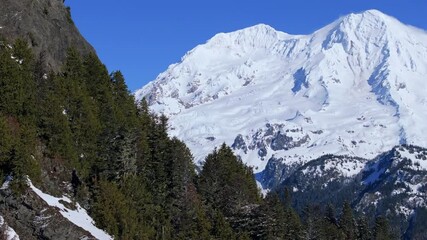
(45, 24)
(32, 218)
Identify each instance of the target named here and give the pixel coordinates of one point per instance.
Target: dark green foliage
(221, 229)
(17, 116)
(5, 145)
(226, 183)
(382, 229)
(312, 220)
(16, 80)
(329, 227)
(120, 218)
(347, 222)
(363, 230)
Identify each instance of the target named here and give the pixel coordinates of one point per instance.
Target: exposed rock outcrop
(46, 25)
(32, 218)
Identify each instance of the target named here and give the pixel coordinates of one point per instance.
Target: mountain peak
(261, 27)
(371, 18)
(273, 94)
(369, 14)
(260, 35)
(374, 12)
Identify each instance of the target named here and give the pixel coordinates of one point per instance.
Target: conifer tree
(347, 223)
(81, 112)
(276, 216)
(221, 229)
(313, 222)
(5, 146)
(12, 92)
(363, 230)
(381, 228)
(329, 226)
(226, 183)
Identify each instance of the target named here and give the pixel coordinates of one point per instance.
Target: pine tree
(381, 228)
(81, 112)
(363, 230)
(313, 222)
(25, 80)
(113, 211)
(6, 144)
(12, 89)
(347, 223)
(52, 121)
(276, 216)
(293, 228)
(329, 227)
(221, 228)
(226, 183)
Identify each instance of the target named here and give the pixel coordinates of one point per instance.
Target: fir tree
(381, 229)
(363, 230)
(226, 183)
(347, 222)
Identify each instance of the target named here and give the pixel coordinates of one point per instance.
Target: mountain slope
(393, 184)
(295, 98)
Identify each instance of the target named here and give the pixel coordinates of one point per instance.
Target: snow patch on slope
(9, 232)
(78, 216)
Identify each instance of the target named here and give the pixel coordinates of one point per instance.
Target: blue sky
(142, 38)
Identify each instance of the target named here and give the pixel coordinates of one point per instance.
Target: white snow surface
(10, 233)
(355, 87)
(78, 216)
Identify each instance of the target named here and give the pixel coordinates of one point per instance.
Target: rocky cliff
(45, 24)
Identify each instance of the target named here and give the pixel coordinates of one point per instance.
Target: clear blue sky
(143, 37)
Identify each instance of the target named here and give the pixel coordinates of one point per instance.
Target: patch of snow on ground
(79, 216)
(348, 168)
(398, 191)
(9, 232)
(5, 185)
(421, 163)
(404, 210)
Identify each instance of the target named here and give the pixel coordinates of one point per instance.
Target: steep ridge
(46, 25)
(355, 87)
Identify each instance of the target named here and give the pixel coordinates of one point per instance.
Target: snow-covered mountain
(356, 87)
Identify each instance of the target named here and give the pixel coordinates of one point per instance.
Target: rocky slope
(45, 24)
(37, 215)
(394, 183)
(272, 95)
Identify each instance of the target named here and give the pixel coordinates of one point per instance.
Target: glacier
(355, 87)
